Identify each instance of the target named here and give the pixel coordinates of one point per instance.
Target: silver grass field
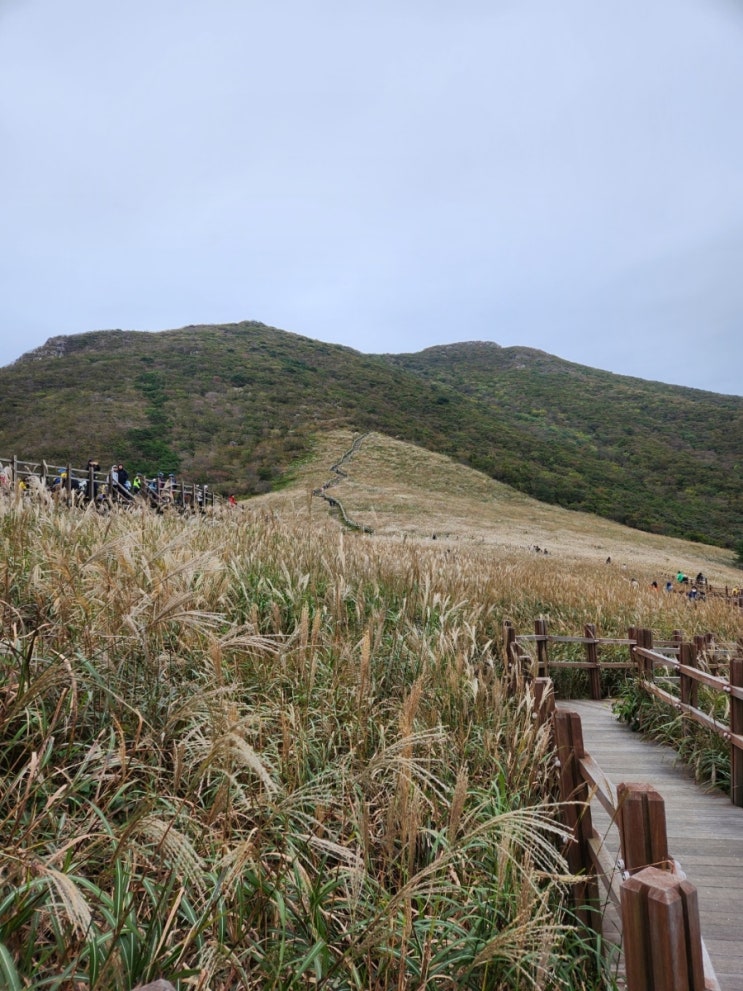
(254, 750)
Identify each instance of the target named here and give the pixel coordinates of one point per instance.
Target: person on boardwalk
(122, 490)
(123, 477)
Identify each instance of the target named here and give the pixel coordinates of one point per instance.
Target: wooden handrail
(663, 945)
(644, 656)
(685, 702)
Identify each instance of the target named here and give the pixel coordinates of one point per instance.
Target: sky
(387, 175)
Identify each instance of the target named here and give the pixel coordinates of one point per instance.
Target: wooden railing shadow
(655, 904)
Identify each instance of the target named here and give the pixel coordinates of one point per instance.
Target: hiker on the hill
(173, 487)
(155, 486)
(123, 485)
(123, 477)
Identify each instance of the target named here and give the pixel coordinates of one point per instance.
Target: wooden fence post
(592, 656)
(635, 633)
(576, 814)
(647, 643)
(662, 933)
(641, 820)
(544, 700)
(509, 637)
(643, 638)
(736, 728)
(540, 629)
(688, 688)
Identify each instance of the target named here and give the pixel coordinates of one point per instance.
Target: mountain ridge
(240, 403)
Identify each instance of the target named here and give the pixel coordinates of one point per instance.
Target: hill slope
(404, 492)
(653, 456)
(239, 404)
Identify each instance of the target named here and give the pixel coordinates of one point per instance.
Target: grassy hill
(242, 405)
(405, 493)
(654, 456)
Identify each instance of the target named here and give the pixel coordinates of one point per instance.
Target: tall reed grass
(252, 751)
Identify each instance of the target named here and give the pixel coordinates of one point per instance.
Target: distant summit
(488, 353)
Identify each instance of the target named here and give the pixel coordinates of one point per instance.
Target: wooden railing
(534, 649)
(689, 679)
(92, 484)
(515, 646)
(679, 690)
(656, 905)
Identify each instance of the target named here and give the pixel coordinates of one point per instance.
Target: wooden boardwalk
(705, 831)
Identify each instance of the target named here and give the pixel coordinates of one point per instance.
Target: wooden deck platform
(705, 831)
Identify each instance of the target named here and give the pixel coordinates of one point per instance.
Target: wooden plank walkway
(705, 831)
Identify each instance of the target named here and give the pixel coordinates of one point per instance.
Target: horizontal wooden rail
(696, 674)
(686, 701)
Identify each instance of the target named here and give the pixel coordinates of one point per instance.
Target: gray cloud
(388, 176)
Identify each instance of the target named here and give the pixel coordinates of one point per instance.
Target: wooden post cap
(642, 826)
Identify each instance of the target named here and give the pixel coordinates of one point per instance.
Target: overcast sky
(388, 174)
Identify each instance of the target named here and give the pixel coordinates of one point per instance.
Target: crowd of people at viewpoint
(116, 485)
(119, 486)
